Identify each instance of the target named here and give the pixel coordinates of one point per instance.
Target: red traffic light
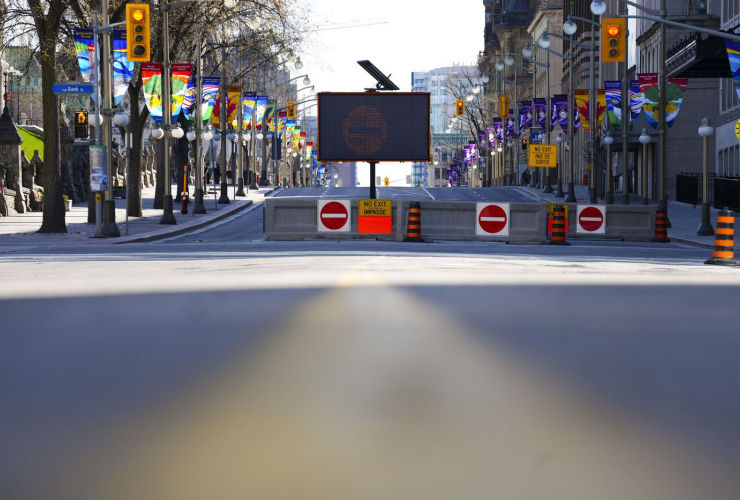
(137, 15)
(612, 31)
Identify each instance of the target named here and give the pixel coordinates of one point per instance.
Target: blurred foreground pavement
(367, 370)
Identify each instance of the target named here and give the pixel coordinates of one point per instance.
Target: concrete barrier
(296, 219)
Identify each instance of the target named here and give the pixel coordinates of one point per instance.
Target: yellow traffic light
(137, 32)
(460, 107)
(291, 110)
(503, 106)
(613, 39)
(387, 181)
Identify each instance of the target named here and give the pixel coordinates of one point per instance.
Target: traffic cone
(724, 240)
(661, 226)
(558, 227)
(413, 228)
(585, 180)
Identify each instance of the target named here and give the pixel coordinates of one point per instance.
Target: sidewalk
(684, 218)
(22, 229)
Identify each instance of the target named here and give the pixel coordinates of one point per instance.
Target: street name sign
(543, 155)
(375, 216)
(591, 219)
(492, 219)
(72, 88)
(333, 216)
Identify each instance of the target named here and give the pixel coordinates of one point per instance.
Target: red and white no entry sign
(334, 216)
(591, 219)
(492, 219)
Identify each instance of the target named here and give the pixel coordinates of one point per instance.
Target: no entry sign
(591, 219)
(492, 219)
(333, 216)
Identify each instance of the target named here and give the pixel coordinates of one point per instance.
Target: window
(722, 163)
(699, 6)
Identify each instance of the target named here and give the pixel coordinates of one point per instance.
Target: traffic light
(524, 144)
(137, 32)
(503, 106)
(460, 107)
(387, 181)
(613, 39)
(81, 124)
(291, 110)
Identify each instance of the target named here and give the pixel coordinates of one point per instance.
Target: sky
(419, 36)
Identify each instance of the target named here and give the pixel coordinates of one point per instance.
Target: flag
(600, 107)
(733, 54)
(188, 102)
(180, 76)
(259, 111)
(650, 97)
(151, 77)
(540, 111)
(233, 97)
(583, 106)
(85, 47)
(613, 96)
(248, 100)
(211, 84)
(123, 69)
(635, 101)
(675, 90)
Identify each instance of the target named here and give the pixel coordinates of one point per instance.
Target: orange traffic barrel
(724, 240)
(413, 228)
(585, 179)
(558, 227)
(661, 226)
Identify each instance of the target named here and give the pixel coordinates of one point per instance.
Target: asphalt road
(413, 193)
(230, 367)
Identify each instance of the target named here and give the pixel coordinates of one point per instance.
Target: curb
(186, 229)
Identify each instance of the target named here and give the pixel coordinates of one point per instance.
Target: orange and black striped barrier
(724, 240)
(661, 226)
(413, 228)
(585, 179)
(558, 227)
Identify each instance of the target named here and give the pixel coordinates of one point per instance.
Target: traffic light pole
(110, 228)
(168, 217)
(372, 181)
(198, 205)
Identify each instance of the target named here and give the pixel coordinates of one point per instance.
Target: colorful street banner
(675, 90)
(85, 47)
(613, 95)
(510, 124)
(151, 77)
(211, 84)
(498, 129)
(733, 54)
(282, 120)
(233, 97)
(650, 97)
(560, 111)
(540, 111)
(601, 107)
(267, 118)
(180, 76)
(296, 136)
(525, 115)
(635, 101)
(289, 127)
(491, 137)
(583, 105)
(123, 69)
(248, 101)
(259, 111)
(188, 102)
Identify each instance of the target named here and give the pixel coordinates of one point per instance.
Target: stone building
(26, 107)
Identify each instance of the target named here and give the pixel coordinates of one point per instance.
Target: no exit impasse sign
(375, 216)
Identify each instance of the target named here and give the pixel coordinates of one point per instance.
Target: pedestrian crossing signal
(137, 32)
(460, 107)
(81, 124)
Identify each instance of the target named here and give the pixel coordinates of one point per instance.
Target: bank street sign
(72, 88)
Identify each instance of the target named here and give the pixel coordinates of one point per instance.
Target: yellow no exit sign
(543, 155)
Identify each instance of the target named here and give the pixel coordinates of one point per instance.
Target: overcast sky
(419, 36)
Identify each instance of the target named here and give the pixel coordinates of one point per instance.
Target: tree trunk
(180, 156)
(54, 217)
(138, 122)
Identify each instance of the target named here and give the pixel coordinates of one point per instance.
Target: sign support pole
(373, 196)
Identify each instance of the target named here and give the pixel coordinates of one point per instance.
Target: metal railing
(727, 193)
(689, 188)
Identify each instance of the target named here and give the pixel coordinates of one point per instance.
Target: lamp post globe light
(157, 133)
(216, 137)
(121, 120)
(499, 65)
(231, 136)
(190, 136)
(598, 7)
(509, 61)
(485, 79)
(527, 51)
(177, 133)
(298, 63)
(207, 135)
(705, 228)
(544, 41)
(570, 27)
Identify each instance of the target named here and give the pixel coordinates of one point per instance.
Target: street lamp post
(705, 228)
(609, 196)
(198, 205)
(644, 140)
